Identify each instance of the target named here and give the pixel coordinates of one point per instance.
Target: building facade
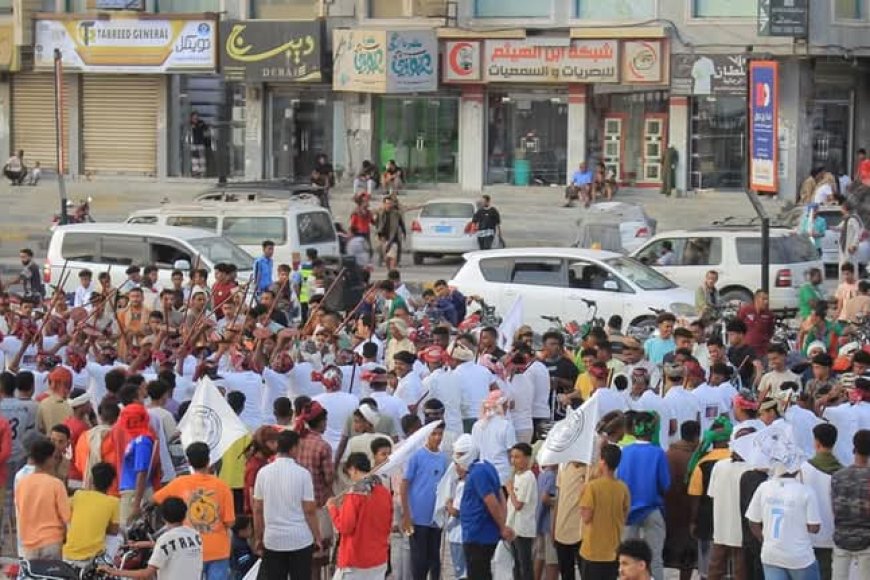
(468, 93)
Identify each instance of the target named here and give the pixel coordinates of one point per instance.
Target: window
(848, 9)
(512, 9)
(653, 252)
(429, 8)
(586, 276)
(164, 254)
(123, 250)
(143, 219)
(701, 252)
(193, 221)
(315, 228)
(251, 231)
(5, 6)
(539, 272)
(447, 210)
(496, 269)
(789, 249)
(185, 6)
(217, 249)
(386, 8)
(643, 276)
(80, 247)
(616, 9)
(725, 9)
(280, 9)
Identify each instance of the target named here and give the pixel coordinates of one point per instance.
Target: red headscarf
(311, 412)
(133, 422)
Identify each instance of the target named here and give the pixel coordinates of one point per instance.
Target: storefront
(832, 116)
(285, 60)
(33, 125)
(541, 117)
(123, 88)
(420, 133)
(716, 89)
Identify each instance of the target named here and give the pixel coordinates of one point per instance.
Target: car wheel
(417, 258)
(738, 294)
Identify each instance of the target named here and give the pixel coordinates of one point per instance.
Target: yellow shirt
(696, 481)
(583, 385)
(233, 463)
(569, 481)
(92, 513)
(609, 500)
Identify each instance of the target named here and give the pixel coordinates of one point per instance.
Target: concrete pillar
(163, 128)
(577, 123)
(795, 130)
(254, 114)
(678, 137)
(359, 130)
(173, 143)
(472, 138)
(5, 119)
(73, 112)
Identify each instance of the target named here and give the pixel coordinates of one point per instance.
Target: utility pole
(58, 131)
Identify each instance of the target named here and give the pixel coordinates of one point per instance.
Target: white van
(112, 247)
(293, 226)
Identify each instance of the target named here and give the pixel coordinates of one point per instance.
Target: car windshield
(789, 249)
(447, 210)
(217, 249)
(638, 274)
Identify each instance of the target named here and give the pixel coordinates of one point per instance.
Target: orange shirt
(210, 510)
(43, 510)
(107, 454)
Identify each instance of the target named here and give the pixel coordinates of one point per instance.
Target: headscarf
(460, 352)
(745, 402)
(311, 412)
(133, 422)
(331, 378)
(493, 405)
(400, 325)
(464, 451)
(432, 354)
(719, 432)
(369, 413)
(646, 425)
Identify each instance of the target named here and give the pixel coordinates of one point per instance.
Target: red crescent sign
(453, 59)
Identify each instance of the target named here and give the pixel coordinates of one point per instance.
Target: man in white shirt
(494, 436)
(683, 404)
(779, 373)
(286, 529)
(474, 379)
(249, 384)
(783, 515)
(641, 398)
(388, 404)
(338, 404)
(522, 395)
(410, 387)
(816, 473)
(85, 289)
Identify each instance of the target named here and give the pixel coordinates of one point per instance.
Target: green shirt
(397, 302)
(808, 296)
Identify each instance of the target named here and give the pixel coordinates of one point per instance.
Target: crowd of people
(717, 449)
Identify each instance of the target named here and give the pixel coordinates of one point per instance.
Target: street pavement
(531, 216)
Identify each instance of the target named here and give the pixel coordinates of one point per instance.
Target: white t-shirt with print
(177, 554)
(784, 507)
(526, 491)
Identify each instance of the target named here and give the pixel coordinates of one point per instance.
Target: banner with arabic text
(272, 50)
(533, 61)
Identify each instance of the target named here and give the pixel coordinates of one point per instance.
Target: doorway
(832, 131)
(300, 128)
(421, 134)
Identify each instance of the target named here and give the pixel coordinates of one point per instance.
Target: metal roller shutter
(33, 119)
(119, 123)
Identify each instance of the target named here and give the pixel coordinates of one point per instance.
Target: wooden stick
(322, 300)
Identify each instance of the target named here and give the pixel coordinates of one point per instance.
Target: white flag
(510, 324)
(408, 447)
(210, 419)
(573, 438)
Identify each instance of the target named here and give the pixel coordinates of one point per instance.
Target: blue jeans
(811, 572)
(457, 556)
(216, 570)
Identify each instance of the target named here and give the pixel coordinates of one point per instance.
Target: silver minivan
(293, 226)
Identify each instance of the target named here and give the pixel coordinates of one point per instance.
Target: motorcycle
(77, 213)
(60, 570)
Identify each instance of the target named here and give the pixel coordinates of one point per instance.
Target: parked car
(442, 228)
(261, 190)
(293, 226)
(558, 281)
(735, 253)
(831, 242)
(111, 247)
(614, 226)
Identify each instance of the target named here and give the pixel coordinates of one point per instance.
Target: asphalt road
(531, 216)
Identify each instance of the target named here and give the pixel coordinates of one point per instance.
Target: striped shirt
(282, 486)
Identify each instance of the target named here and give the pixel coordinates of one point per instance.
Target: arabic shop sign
(783, 18)
(530, 61)
(118, 45)
(265, 50)
(708, 74)
(380, 61)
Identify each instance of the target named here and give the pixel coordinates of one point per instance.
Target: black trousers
(569, 560)
(426, 553)
(523, 564)
(485, 242)
(295, 565)
(599, 570)
(478, 560)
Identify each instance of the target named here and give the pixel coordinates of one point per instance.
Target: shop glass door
(301, 129)
(832, 122)
(421, 135)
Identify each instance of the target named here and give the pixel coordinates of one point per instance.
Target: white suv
(735, 253)
(571, 283)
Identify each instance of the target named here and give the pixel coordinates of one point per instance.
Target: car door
(493, 283)
(590, 281)
(541, 281)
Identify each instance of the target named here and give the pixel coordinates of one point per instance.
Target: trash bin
(522, 171)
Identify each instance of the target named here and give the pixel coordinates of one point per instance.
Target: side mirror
(611, 286)
(183, 265)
